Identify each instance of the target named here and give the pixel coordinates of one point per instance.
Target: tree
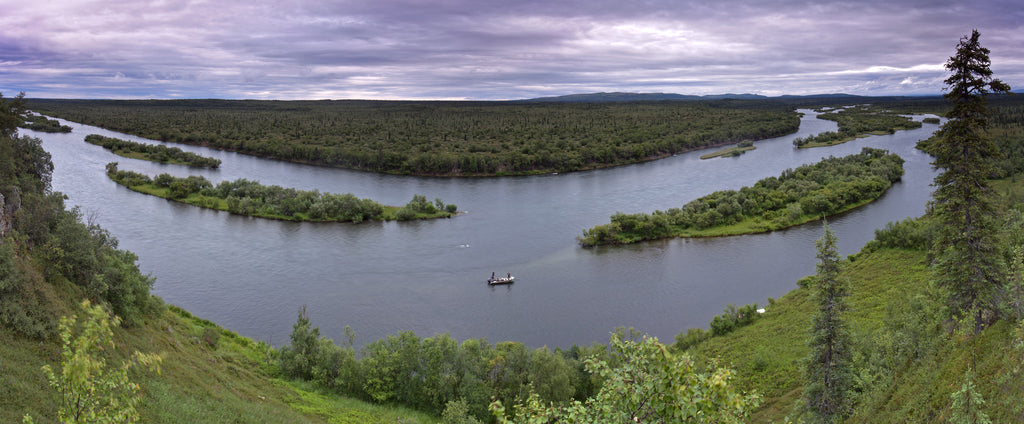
(829, 375)
(651, 385)
(966, 261)
(89, 391)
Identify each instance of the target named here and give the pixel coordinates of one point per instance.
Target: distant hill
(634, 97)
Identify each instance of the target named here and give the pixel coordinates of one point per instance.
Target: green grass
(767, 355)
(728, 151)
(757, 224)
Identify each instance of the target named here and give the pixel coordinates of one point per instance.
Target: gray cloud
(483, 49)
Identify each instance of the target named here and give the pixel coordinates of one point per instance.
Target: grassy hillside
(208, 375)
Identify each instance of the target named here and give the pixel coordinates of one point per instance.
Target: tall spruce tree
(966, 260)
(829, 373)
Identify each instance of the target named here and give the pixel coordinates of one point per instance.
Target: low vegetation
(440, 138)
(737, 150)
(152, 152)
(250, 198)
(857, 121)
(799, 195)
(44, 124)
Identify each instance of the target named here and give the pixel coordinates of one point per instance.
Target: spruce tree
(966, 258)
(829, 374)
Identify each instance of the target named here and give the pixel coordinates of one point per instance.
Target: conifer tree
(966, 260)
(829, 375)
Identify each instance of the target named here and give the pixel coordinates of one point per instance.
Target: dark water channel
(252, 275)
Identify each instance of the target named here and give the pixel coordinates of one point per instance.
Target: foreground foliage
(651, 385)
(967, 265)
(89, 391)
(830, 363)
(799, 195)
(438, 138)
(151, 152)
(251, 198)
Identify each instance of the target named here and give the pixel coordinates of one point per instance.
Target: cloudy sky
(492, 49)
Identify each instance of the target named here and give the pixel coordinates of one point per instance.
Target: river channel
(252, 275)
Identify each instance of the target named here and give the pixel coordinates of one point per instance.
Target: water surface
(252, 275)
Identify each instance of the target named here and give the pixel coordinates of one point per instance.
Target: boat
(501, 280)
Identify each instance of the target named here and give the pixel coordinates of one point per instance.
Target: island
(151, 152)
(807, 193)
(44, 124)
(250, 198)
(736, 150)
(856, 122)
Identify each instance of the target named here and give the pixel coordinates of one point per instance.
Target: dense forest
(151, 152)
(798, 195)
(250, 198)
(439, 138)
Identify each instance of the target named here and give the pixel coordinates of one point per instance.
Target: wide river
(252, 275)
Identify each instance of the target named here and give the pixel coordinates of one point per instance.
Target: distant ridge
(634, 97)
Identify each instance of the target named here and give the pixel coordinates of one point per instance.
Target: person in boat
(492, 275)
(510, 276)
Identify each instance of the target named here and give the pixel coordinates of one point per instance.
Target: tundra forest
(924, 324)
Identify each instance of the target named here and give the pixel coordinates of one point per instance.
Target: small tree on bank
(967, 262)
(829, 365)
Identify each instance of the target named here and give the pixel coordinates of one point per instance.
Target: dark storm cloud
(492, 49)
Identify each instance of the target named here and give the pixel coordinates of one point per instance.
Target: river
(252, 275)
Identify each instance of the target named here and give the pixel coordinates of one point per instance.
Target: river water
(252, 275)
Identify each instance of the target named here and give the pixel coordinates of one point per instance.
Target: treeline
(463, 382)
(250, 198)
(857, 120)
(439, 138)
(44, 124)
(796, 196)
(151, 152)
(43, 244)
(1006, 130)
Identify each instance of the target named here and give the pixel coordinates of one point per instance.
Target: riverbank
(729, 151)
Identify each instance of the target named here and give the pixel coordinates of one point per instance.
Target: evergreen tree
(966, 260)
(828, 373)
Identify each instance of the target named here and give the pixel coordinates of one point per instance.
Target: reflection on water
(252, 275)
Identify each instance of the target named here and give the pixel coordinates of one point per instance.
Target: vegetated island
(736, 150)
(438, 138)
(250, 198)
(855, 122)
(151, 152)
(44, 124)
(799, 195)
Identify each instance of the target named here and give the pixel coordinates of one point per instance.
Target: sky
(493, 49)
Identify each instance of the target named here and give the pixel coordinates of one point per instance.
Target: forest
(250, 198)
(794, 197)
(439, 138)
(151, 152)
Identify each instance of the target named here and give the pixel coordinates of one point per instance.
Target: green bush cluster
(431, 373)
(47, 236)
(152, 152)
(247, 197)
(810, 190)
(731, 319)
(439, 138)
